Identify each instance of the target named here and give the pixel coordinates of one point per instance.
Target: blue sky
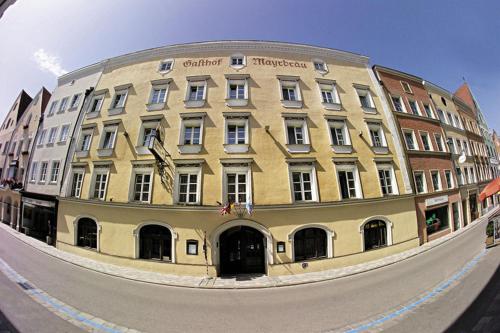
(441, 41)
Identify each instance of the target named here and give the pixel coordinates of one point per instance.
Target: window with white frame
(441, 116)
(96, 104)
(54, 171)
(467, 176)
(466, 148)
(166, 66)
(100, 183)
(398, 103)
(142, 186)
(196, 91)
(409, 136)
(52, 135)
(460, 176)
(109, 137)
(296, 131)
(436, 181)
(414, 107)
(457, 122)
(428, 110)
(406, 87)
(21, 142)
(33, 171)
(64, 103)
(290, 92)
(473, 178)
(53, 107)
(459, 146)
(303, 182)
(329, 94)
(376, 134)
(236, 136)
(43, 172)
(348, 178)
(320, 66)
(85, 140)
(75, 100)
(237, 184)
(191, 131)
(420, 183)
(339, 133)
(450, 119)
(426, 143)
(451, 145)
(387, 179)
(237, 89)
(119, 99)
(41, 137)
(365, 99)
(237, 61)
(148, 132)
(188, 180)
(63, 136)
(158, 94)
(439, 142)
(449, 179)
(76, 183)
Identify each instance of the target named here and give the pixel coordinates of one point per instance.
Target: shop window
(436, 219)
(155, 242)
(192, 247)
(310, 243)
(87, 233)
(375, 234)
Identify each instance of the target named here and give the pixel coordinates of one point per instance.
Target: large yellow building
(295, 140)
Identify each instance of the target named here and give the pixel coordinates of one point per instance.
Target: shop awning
(490, 189)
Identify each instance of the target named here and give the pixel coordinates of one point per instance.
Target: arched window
(87, 233)
(310, 243)
(155, 243)
(375, 233)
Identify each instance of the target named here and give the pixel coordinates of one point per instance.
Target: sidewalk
(241, 282)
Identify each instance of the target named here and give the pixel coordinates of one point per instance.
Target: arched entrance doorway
(242, 251)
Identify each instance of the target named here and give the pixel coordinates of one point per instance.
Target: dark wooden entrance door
(241, 251)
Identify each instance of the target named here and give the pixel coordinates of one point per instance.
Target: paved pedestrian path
(240, 282)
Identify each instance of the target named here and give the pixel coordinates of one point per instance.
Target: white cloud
(49, 63)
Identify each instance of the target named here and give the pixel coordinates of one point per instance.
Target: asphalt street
(318, 307)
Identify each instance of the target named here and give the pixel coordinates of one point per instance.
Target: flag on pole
(249, 208)
(226, 209)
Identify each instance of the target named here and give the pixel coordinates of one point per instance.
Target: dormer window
(406, 87)
(237, 61)
(320, 66)
(166, 66)
(290, 91)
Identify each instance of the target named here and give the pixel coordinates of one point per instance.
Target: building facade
(48, 167)
(437, 200)
(458, 145)
(8, 211)
(17, 157)
(294, 140)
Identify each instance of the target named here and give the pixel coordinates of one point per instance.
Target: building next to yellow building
(237, 157)
(17, 152)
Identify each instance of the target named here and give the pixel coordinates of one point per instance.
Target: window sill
(236, 148)
(73, 108)
(235, 102)
(369, 110)
(194, 104)
(291, 104)
(81, 153)
(91, 115)
(165, 71)
(380, 150)
(50, 144)
(155, 106)
(237, 67)
(115, 111)
(104, 152)
(60, 111)
(346, 149)
(142, 150)
(332, 106)
(189, 149)
(296, 149)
